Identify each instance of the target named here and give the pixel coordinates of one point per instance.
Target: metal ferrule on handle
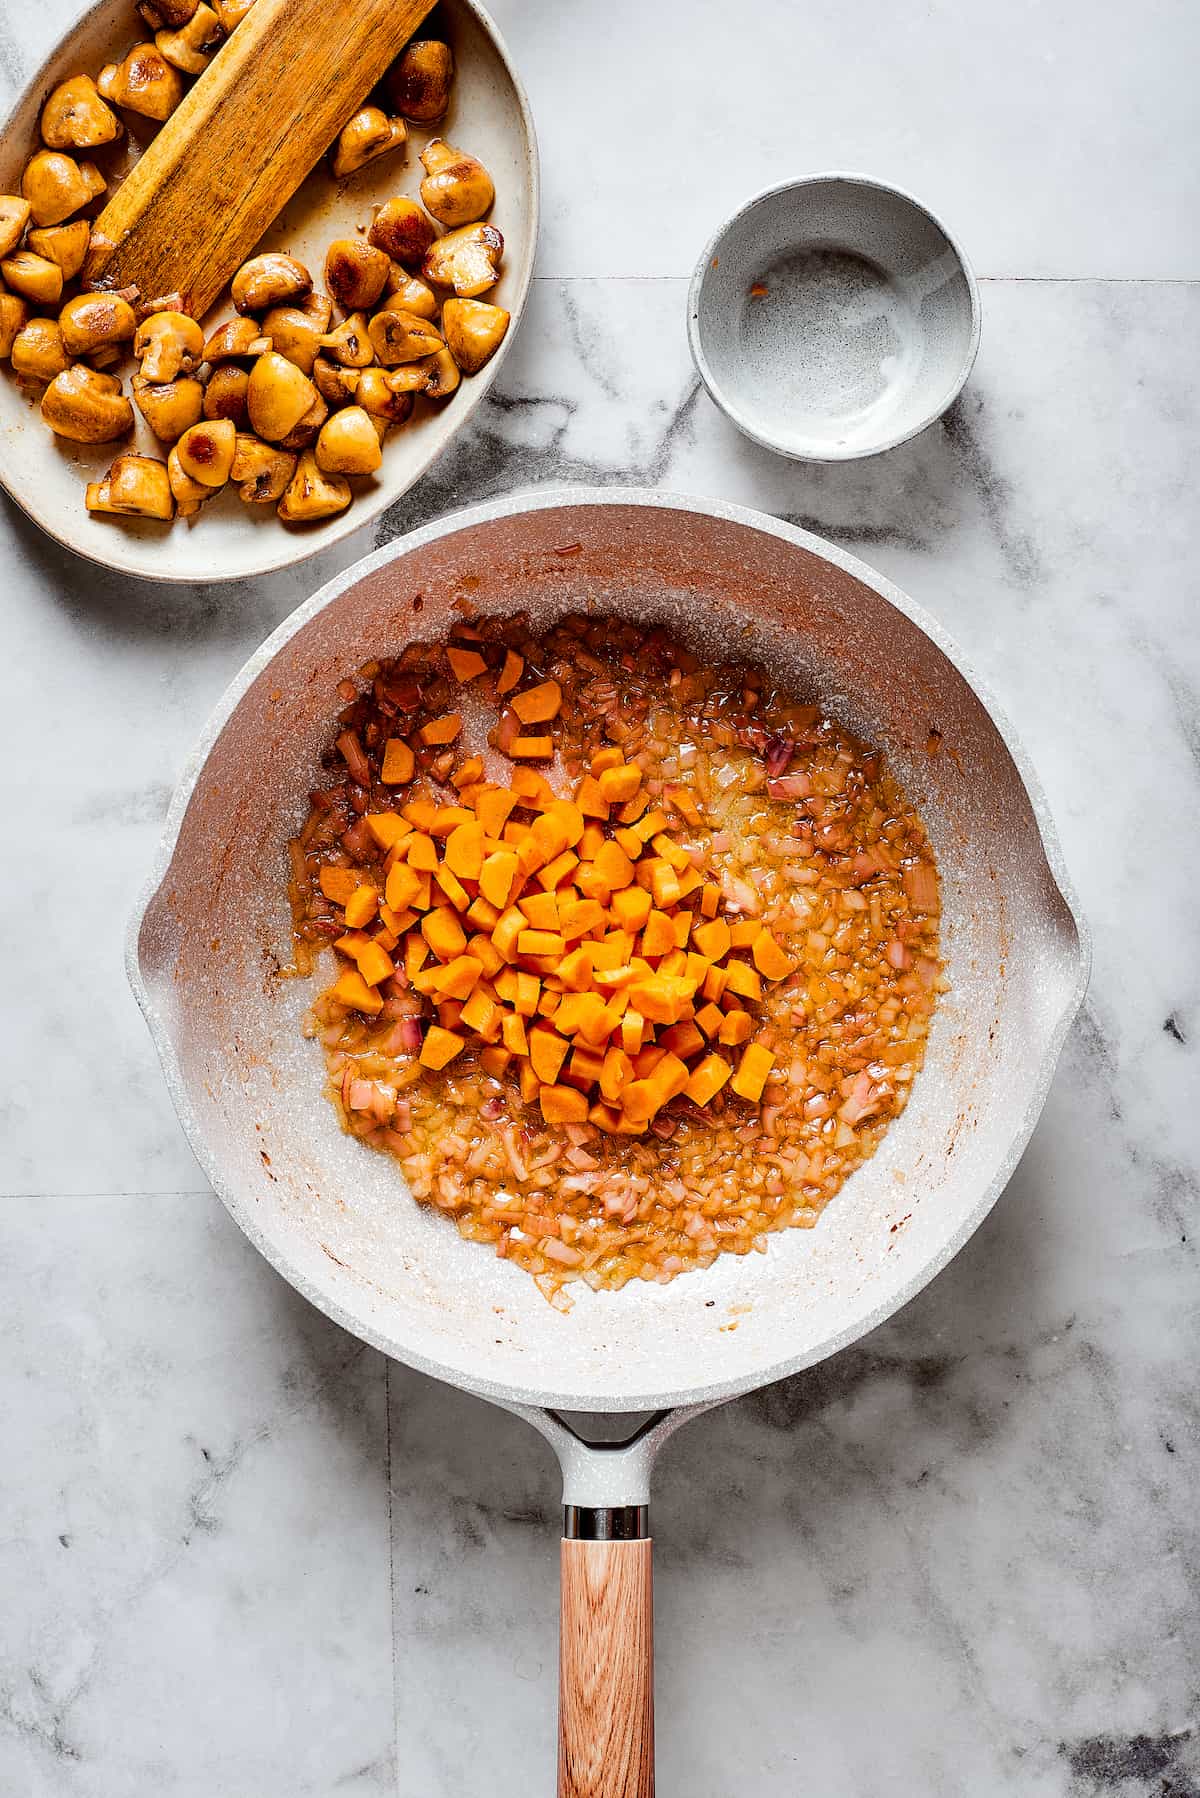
(606, 1523)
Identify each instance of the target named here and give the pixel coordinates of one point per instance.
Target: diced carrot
(531, 749)
(712, 939)
(606, 1116)
(441, 730)
(387, 828)
(640, 1100)
(512, 1027)
(403, 885)
(485, 953)
(555, 872)
(673, 962)
(770, 960)
(529, 1083)
(496, 875)
(440, 1046)
(743, 932)
(447, 818)
(752, 1072)
(361, 906)
(710, 900)
(453, 888)
(620, 782)
(744, 981)
(575, 969)
(482, 913)
(351, 989)
(650, 825)
(709, 1018)
(374, 964)
(492, 808)
(658, 938)
(537, 705)
(585, 1066)
(397, 921)
(660, 997)
(707, 1080)
(466, 777)
(736, 1028)
(495, 1060)
(577, 916)
(422, 852)
(416, 953)
(685, 805)
(591, 800)
(563, 1105)
(509, 928)
(632, 1026)
(459, 977)
(629, 841)
(480, 1013)
(541, 910)
(529, 989)
(532, 790)
(670, 851)
(589, 843)
(715, 982)
(632, 810)
(443, 932)
(664, 884)
(613, 866)
(420, 813)
(631, 907)
(616, 1072)
(682, 1039)
(338, 884)
(510, 674)
(547, 1052)
(465, 664)
(428, 980)
(398, 762)
(609, 757)
(464, 851)
(671, 1077)
(541, 942)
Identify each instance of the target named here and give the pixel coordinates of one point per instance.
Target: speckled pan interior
(334, 1216)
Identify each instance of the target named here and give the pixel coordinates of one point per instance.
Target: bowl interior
(228, 540)
(335, 1216)
(833, 318)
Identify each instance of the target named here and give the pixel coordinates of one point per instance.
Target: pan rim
(240, 1207)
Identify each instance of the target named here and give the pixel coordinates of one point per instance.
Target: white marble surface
(242, 1557)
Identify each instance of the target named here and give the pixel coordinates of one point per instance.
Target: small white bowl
(833, 317)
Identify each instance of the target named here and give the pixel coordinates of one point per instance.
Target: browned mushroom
(418, 82)
(369, 134)
(278, 396)
(225, 394)
(231, 13)
(14, 216)
(260, 470)
(86, 407)
(474, 331)
(169, 407)
(468, 260)
(457, 189)
(38, 351)
(160, 13)
(312, 494)
(205, 451)
(144, 83)
(350, 344)
(92, 320)
(13, 315)
(349, 443)
(65, 244)
(402, 231)
(355, 273)
(56, 186)
(383, 398)
(409, 294)
(335, 384)
(190, 47)
(76, 118)
(35, 277)
(269, 280)
(134, 487)
(189, 495)
(168, 344)
(240, 337)
(304, 431)
(403, 337)
(441, 376)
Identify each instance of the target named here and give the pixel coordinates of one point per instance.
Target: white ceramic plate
(489, 116)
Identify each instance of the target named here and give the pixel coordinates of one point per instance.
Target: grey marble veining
(239, 1555)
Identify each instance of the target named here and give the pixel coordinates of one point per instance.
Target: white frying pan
(331, 1215)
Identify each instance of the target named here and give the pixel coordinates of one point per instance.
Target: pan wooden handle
(606, 1671)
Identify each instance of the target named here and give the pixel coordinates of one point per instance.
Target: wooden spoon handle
(606, 1671)
(269, 104)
